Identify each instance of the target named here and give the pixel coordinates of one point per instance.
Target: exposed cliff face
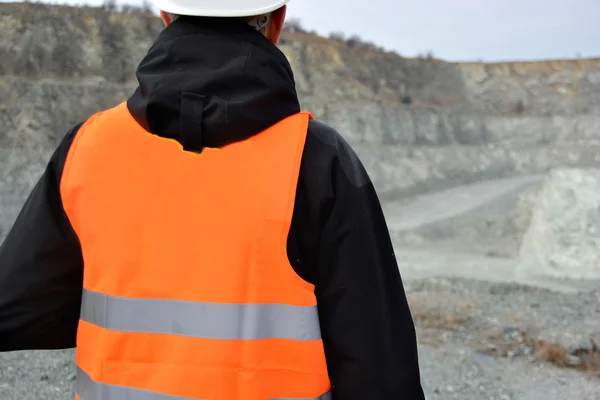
(563, 239)
(464, 121)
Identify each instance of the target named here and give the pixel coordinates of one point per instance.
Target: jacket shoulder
(326, 147)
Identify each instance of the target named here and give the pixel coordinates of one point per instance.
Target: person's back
(208, 240)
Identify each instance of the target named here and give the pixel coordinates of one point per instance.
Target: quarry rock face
(418, 125)
(563, 238)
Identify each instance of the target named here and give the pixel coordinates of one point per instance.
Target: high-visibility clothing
(187, 290)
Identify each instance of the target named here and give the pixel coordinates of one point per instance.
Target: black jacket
(338, 239)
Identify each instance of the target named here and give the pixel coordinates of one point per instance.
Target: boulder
(563, 237)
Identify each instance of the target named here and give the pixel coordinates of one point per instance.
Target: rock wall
(563, 238)
(418, 125)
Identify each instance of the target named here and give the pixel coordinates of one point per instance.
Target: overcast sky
(457, 30)
(464, 29)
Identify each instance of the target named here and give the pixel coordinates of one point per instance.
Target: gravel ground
(47, 375)
(482, 340)
(476, 343)
(457, 373)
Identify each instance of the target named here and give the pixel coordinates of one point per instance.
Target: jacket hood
(209, 82)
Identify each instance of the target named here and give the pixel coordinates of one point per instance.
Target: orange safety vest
(187, 290)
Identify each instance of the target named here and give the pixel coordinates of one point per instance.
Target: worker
(208, 239)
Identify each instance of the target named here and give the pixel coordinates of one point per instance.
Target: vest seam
(67, 205)
(69, 162)
(300, 281)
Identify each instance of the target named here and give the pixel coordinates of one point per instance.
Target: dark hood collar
(208, 82)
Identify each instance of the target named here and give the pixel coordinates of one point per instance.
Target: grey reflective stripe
(326, 396)
(201, 320)
(87, 389)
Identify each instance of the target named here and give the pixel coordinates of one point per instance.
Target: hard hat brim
(222, 8)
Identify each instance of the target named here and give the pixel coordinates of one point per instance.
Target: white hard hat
(220, 8)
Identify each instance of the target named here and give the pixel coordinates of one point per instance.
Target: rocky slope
(563, 239)
(417, 124)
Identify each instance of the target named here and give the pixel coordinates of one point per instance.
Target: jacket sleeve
(41, 268)
(367, 327)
